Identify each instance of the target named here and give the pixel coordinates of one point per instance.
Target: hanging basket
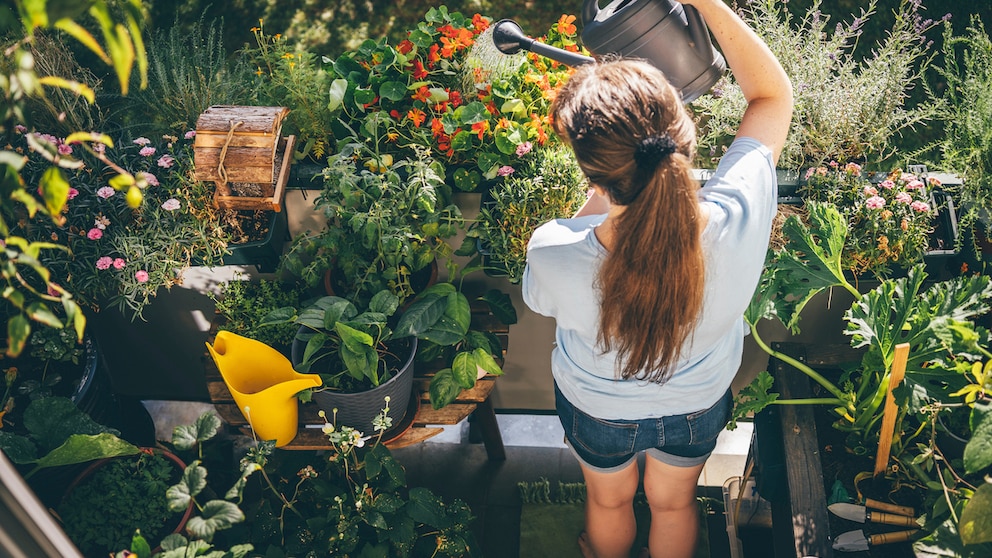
(240, 149)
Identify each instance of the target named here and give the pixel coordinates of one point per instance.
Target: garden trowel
(857, 541)
(861, 514)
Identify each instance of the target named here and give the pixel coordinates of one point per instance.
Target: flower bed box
(240, 149)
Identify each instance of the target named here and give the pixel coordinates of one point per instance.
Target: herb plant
(101, 513)
(847, 108)
(244, 303)
(545, 185)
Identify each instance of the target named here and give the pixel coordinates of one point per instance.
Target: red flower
(433, 56)
(374, 101)
(418, 70)
(491, 107)
(437, 127)
(455, 97)
(404, 47)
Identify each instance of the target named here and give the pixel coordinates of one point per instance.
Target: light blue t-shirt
(563, 256)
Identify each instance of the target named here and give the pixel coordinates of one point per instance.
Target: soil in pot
(113, 497)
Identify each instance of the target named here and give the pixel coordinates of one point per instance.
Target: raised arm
(764, 83)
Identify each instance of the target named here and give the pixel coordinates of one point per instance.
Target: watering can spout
(509, 38)
(262, 383)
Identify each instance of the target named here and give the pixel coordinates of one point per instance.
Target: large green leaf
(186, 436)
(444, 388)
(18, 449)
(81, 448)
(193, 481)
(426, 507)
(464, 370)
(978, 452)
(975, 524)
(216, 515)
(501, 305)
(52, 420)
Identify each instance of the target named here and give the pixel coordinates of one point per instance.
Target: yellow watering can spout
(263, 384)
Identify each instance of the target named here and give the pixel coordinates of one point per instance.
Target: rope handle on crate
(221, 171)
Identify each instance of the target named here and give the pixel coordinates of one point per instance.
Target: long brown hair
(633, 137)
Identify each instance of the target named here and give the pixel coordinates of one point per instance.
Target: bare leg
(671, 493)
(610, 523)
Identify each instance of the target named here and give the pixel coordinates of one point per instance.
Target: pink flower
(105, 192)
(834, 164)
(104, 263)
(170, 204)
(505, 170)
(142, 141)
(904, 197)
(906, 177)
(919, 206)
(147, 151)
(870, 191)
(65, 149)
(166, 161)
(119, 263)
(853, 168)
(149, 178)
(72, 193)
(94, 234)
(99, 147)
(141, 275)
(20, 128)
(914, 185)
(524, 148)
(54, 289)
(190, 134)
(887, 184)
(875, 202)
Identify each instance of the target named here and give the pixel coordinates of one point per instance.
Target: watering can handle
(590, 10)
(698, 32)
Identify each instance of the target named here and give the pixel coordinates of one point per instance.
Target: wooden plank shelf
(427, 422)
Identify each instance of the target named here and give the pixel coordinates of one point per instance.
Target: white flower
(170, 204)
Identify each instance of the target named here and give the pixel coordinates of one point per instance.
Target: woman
(649, 281)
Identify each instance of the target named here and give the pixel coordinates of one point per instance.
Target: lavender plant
(847, 107)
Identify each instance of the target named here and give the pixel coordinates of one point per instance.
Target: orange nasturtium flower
(423, 94)
(480, 128)
(433, 55)
(566, 25)
(416, 116)
(404, 47)
(479, 23)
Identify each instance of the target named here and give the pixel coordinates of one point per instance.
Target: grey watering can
(672, 37)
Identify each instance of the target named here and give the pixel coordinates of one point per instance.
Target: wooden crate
(238, 145)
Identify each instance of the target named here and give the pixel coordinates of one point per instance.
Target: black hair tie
(652, 149)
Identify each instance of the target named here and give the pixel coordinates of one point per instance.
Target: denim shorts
(610, 445)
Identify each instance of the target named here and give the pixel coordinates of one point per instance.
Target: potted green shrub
(363, 356)
(241, 304)
(386, 221)
(99, 511)
(547, 184)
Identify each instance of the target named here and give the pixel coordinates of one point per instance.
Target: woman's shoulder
(564, 232)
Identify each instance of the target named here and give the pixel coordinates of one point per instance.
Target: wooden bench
(427, 423)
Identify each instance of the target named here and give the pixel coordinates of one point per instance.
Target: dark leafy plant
(386, 220)
(943, 370)
(101, 513)
(58, 433)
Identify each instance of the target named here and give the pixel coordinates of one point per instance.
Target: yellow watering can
(263, 383)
